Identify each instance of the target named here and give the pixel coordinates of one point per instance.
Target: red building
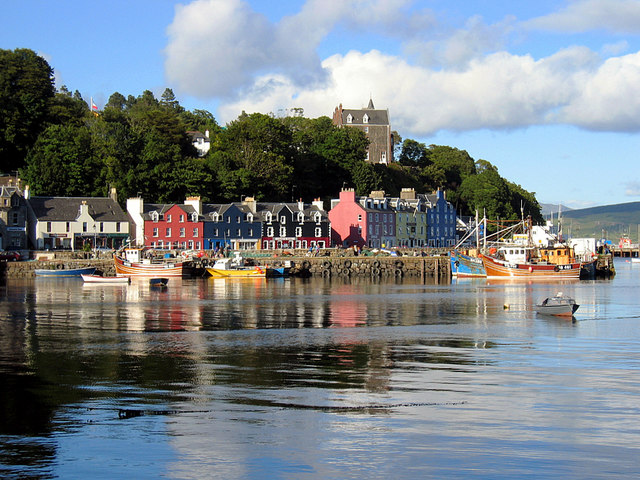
(172, 227)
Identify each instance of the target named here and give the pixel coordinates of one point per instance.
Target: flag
(93, 105)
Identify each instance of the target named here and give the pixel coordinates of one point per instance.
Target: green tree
(414, 154)
(61, 163)
(26, 87)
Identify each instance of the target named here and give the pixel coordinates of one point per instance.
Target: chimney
(300, 205)
(377, 194)
(27, 192)
(113, 194)
(196, 203)
(251, 203)
(319, 204)
(348, 195)
(408, 194)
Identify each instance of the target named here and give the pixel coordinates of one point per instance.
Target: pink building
(366, 221)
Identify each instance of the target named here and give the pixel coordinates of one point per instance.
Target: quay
(330, 264)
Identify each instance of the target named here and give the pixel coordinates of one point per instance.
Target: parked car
(10, 256)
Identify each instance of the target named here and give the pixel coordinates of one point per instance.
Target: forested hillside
(60, 145)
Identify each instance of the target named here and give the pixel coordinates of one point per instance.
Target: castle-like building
(376, 126)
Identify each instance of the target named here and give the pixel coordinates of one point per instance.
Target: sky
(546, 91)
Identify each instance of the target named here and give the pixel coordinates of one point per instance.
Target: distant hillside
(549, 208)
(609, 220)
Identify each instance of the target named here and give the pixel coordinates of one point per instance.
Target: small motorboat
(158, 282)
(61, 271)
(561, 305)
(102, 279)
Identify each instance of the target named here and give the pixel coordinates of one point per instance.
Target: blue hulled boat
(65, 272)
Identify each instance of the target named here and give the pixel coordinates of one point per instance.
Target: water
(315, 378)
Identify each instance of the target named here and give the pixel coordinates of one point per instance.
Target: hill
(610, 221)
(552, 208)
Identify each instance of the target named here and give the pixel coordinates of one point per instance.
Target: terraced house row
(74, 223)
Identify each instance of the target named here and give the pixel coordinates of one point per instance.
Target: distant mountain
(610, 221)
(549, 208)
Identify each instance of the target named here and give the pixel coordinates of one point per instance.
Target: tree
(61, 163)
(414, 154)
(26, 87)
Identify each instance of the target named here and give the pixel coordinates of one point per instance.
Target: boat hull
(466, 266)
(162, 270)
(237, 273)
(534, 271)
(65, 272)
(107, 280)
(557, 310)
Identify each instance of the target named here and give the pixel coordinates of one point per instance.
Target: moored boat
(560, 306)
(131, 263)
(108, 280)
(497, 268)
(158, 282)
(64, 272)
(466, 266)
(233, 268)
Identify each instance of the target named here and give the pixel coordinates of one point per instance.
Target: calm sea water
(319, 379)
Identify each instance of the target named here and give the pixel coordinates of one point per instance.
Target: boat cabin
(515, 254)
(557, 256)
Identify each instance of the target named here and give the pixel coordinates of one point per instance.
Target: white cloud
(221, 48)
(632, 189)
(583, 15)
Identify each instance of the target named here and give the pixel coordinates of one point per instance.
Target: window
(268, 217)
(366, 129)
(101, 227)
(155, 231)
(300, 217)
(283, 231)
(359, 217)
(349, 118)
(117, 226)
(68, 227)
(181, 218)
(365, 119)
(283, 219)
(182, 232)
(216, 232)
(84, 226)
(48, 226)
(238, 232)
(238, 219)
(318, 217)
(168, 218)
(298, 231)
(154, 216)
(269, 231)
(195, 231)
(194, 217)
(168, 232)
(318, 232)
(383, 157)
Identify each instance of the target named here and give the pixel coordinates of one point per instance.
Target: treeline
(61, 146)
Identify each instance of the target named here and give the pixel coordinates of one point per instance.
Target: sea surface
(319, 379)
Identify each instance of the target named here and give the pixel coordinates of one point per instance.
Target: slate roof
(66, 209)
(162, 208)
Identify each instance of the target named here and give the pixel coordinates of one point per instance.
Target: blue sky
(547, 91)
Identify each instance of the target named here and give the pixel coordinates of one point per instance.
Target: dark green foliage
(140, 146)
(26, 88)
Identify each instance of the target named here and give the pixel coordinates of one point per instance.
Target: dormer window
(154, 216)
(250, 217)
(317, 217)
(215, 217)
(349, 118)
(268, 217)
(365, 119)
(300, 217)
(194, 217)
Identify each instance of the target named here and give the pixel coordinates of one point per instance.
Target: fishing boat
(235, 268)
(130, 262)
(560, 305)
(64, 272)
(107, 280)
(529, 267)
(466, 265)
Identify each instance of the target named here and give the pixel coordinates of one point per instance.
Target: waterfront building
(376, 126)
(74, 222)
(166, 226)
(362, 221)
(13, 214)
(293, 225)
(411, 219)
(442, 220)
(231, 225)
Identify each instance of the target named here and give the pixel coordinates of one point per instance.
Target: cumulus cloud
(463, 79)
(582, 15)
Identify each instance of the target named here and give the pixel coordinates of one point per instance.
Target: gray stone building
(375, 124)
